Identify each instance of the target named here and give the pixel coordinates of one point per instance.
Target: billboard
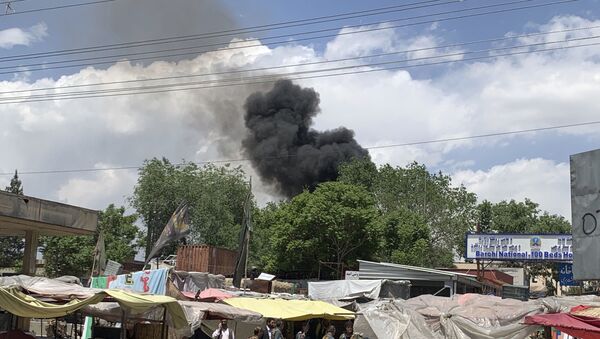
(519, 247)
(585, 210)
(565, 275)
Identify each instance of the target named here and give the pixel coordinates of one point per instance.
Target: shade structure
(293, 310)
(577, 326)
(214, 294)
(23, 305)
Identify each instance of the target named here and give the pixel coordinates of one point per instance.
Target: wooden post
(163, 334)
(123, 324)
(29, 268)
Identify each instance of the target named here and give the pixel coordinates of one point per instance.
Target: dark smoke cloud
(283, 148)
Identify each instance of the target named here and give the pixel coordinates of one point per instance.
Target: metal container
(205, 258)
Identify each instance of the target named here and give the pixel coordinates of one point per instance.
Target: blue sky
(426, 103)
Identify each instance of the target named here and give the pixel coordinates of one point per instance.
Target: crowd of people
(274, 330)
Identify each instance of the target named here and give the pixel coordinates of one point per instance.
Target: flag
(177, 228)
(242, 258)
(99, 264)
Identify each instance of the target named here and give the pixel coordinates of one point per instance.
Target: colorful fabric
(99, 282)
(150, 281)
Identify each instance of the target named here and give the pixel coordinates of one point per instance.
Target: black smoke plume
(283, 148)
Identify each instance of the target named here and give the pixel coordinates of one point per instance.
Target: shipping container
(204, 258)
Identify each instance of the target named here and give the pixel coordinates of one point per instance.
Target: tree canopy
(215, 196)
(11, 248)
(445, 211)
(73, 255)
(336, 223)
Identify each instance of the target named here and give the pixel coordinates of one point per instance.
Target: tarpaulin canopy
(20, 304)
(213, 294)
(195, 312)
(391, 319)
(294, 310)
(339, 289)
(52, 288)
(580, 327)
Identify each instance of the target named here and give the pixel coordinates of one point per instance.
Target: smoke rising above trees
(283, 148)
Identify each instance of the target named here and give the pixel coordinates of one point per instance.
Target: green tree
(120, 233)
(406, 239)
(215, 195)
(16, 186)
(73, 255)
(514, 217)
(337, 222)
(448, 211)
(11, 248)
(485, 215)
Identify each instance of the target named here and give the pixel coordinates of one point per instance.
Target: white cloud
(17, 36)
(546, 182)
(100, 189)
(386, 107)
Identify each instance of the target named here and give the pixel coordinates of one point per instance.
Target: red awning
(577, 326)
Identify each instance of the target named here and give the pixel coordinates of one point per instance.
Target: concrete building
(31, 217)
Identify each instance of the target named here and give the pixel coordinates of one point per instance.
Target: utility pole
(249, 228)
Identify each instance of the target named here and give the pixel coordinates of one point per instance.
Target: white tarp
(52, 288)
(383, 319)
(459, 317)
(341, 289)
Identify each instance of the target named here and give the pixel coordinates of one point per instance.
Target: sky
(455, 98)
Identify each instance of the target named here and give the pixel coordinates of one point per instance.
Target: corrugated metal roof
(382, 270)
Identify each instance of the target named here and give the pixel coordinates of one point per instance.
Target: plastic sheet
(459, 317)
(51, 288)
(197, 281)
(391, 319)
(339, 289)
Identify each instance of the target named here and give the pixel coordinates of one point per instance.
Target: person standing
(256, 333)
(277, 331)
(268, 331)
(223, 332)
(330, 334)
(348, 334)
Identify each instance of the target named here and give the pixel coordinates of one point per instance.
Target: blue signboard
(565, 275)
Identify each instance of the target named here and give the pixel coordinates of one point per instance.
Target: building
(427, 280)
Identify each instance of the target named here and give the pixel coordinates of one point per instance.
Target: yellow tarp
(20, 304)
(294, 310)
(139, 303)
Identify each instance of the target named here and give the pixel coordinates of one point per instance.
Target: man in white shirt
(223, 332)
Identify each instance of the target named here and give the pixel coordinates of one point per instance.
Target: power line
(115, 61)
(237, 71)
(163, 88)
(252, 29)
(285, 75)
(57, 7)
(412, 143)
(10, 2)
(221, 44)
